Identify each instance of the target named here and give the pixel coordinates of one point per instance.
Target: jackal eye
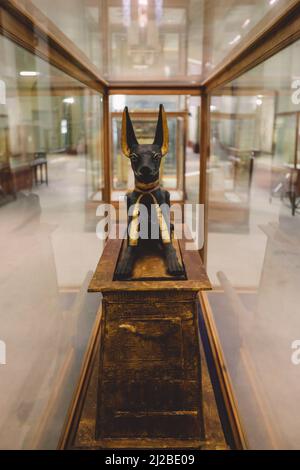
(133, 157)
(156, 156)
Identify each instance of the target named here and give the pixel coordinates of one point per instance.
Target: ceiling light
(271, 2)
(29, 73)
(64, 126)
(246, 23)
(235, 40)
(167, 70)
(258, 101)
(69, 100)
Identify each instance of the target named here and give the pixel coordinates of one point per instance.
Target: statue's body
(145, 163)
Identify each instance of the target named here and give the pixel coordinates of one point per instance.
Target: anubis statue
(145, 162)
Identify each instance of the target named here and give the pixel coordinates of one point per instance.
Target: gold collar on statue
(134, 225)
(146, 186)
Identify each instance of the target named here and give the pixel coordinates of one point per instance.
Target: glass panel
(253, 245)
(192, 163)
(285, 139)
(148, 102)
(153, 40)
(228, 25)
(51, 171)
(82, 21)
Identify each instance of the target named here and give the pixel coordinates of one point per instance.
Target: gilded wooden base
(84, 437)
(147, 387)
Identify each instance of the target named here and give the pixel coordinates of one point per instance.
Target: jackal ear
(128, 135)
(162, 132)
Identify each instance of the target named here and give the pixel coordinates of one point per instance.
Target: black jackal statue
(145, 162)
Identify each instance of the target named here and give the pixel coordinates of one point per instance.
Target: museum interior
(228, 75)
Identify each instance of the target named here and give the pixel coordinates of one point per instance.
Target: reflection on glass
(148, 102)
(154, 40)
(50, 174)
(253, 245)
(285, 139)
(81, 21)
(192, 161)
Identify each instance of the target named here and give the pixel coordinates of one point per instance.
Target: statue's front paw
(173, 265)
(124, 268)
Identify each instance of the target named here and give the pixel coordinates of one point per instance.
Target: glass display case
(48, 251)
(228, 76)
(253, 247)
